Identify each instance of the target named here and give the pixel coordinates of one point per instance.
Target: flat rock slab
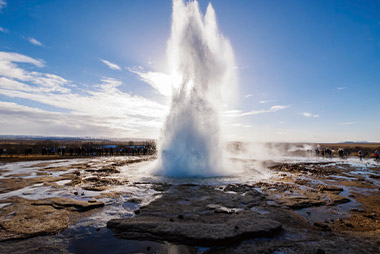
(24, 218)
(75, 205)
(188, 214)
(238, 227)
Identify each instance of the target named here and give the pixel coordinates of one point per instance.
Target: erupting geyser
(202, 66)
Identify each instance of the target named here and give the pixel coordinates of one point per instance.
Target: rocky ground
(84, 206)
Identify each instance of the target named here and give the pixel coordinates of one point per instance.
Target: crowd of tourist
(345, 153)
(89, 150)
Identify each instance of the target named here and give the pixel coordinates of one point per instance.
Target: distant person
(360, 154)
(376, 155)
(317, 152)
(329, 152)
(341, 153)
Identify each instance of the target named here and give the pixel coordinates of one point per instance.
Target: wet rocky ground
(112, 205)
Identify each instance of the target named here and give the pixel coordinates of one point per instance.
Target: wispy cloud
(34, 41)
(102, 109)
(2, 4)
(340, 88)
(45, 81)
(239, 113)
(307, 114)
(160, 81)
(248, 95)
(263, 102)
(346, 123)
(111, 65)
(3, 30)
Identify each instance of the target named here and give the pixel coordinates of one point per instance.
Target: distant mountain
(354, 142)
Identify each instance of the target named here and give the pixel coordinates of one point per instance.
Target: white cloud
(34, 121)
(47, 82)
(239, 113)
(19, 58)
(307, 114)
(263, 102)
(340, 88)
(34, 41)
(2, 4)
(101, 109)
(111, 65)
(248, 95)
(3, 30)
(160, 81)
(346, 123)
(10, 84)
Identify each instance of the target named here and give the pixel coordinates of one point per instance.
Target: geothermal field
(192, 188)
(295, 203)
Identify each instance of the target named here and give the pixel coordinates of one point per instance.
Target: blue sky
(308, 70)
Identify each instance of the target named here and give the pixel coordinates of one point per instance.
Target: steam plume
(202, 67)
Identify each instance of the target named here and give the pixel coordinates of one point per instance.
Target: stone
(195, 233)
(330, 188)
(71, 204)
(26, 218)
(197, 222)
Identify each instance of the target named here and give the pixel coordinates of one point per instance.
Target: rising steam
(202, 67)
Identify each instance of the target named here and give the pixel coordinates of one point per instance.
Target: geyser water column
(202, 66)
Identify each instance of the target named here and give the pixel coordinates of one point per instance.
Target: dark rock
(108, 170)
(374, 176)
(370, 215)
(135, 200)
(357, 210)
(330, 188)
(337, 199)
(161, 186)
(304, 201)
(60, 203)
(202, 226)
(94, 188)
(238, 188)
(349, 225)
(195, 233)
(322, 226)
